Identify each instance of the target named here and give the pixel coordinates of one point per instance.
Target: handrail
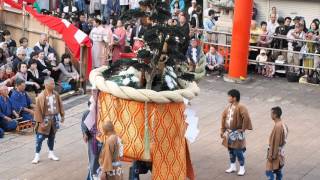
(271, 36)
(265, 48)
(280, 64)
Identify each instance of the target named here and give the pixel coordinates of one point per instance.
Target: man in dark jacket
(20, 57)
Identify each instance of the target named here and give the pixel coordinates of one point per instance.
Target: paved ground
(300, 103)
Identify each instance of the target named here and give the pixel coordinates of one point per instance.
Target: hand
(8, 118)
(37, 85)
(85, 138)
(222, 135)
(62, 119)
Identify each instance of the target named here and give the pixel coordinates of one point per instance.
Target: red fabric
(68, 33)
(28, 1)
(128, 55)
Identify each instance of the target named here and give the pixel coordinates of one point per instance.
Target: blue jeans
(237, 154)
(105, 14)
(80, 5)
(278, 173)
(39, 139)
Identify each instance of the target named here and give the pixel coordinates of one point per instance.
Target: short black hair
(211, 12)
(34, 53)
(20, 64)
(89, 103)
(23, 39)
(281, 20)
(277, 111)
(288, 18)
(263, 23)
(32, 61)
(234, 93)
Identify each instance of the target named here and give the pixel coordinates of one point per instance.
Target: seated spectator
(264, 39)
(23, 74)
(4, 47)
(3, 80)
(24, 44)
(3, 58)
(34, 74)
(68, 71)
(193, 55)
(42, 64)
(44, 46)
(9, 74)
(7, 114)
(261, 59)
(214, 61)
(20, 58)
(12, 45)
(21, 103)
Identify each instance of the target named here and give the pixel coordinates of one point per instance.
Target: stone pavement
(300, 103)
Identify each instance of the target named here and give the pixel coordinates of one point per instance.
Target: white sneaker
(52, 156)
(232, 168)
(36, 159)
(242, 171)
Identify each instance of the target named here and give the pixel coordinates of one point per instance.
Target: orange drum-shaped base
(166, 126)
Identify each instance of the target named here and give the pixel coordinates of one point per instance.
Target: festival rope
(190, 90)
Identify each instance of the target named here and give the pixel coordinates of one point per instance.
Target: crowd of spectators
(23, 70)
(293, 37)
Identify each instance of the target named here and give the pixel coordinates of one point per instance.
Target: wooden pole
(240, 39)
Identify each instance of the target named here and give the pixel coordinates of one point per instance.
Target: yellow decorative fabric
(166, 125)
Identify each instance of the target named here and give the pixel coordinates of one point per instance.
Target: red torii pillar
(240, 39)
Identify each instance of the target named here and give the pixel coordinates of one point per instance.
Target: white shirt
(271, 27)
(134, 4)
(51, 108)
(230, 114)
(194, 55)
(124, 2)
(104, 2)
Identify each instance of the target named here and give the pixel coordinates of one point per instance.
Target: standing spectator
(83, 24)
(124, 6)
(69, 73)
(184, 28)
(272, 24)
(193, 55)
(44, 46)
(293, 45)
(23, 75)
(281, 32)
(254, 37)
(3, 58)
(308, 60)
(314, 27)
(177, 6)
(119, 41)
(264, 39)
(214, 62)
(296, 20)
(303, 23)
(192, 8)
(206, 12)
(7, 114)
(11, 44)
(80, 5)
(112, 9)
(24, 44)
(21, 102)
(99, 37)
(134, 4)
(287, 23)
(275, 12)
(209, 24)
(104, 10)
(20, 58)
(95, 7)
(261, 59)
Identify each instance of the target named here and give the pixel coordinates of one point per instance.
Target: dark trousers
(278, 173)
(237, 154)
(219, 68)
(1, 133)
(40, 137)
(8, 125)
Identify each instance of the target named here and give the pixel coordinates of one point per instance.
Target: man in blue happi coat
(21, 102)
(7, 114)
